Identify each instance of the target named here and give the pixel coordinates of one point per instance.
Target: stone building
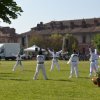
(8, 35)
(82, 29)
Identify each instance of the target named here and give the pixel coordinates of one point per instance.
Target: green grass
(19, 85)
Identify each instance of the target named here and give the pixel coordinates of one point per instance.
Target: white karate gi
(74, 65)
(96, 59)
(92, 63)
(55, 56)
(18, 62)
(40, 66)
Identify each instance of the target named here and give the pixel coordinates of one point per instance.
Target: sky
(36, 11)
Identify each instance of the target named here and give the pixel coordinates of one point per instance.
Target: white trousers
(74, 68)
(38, 68)
(18, 62)
(55, 62)
(96, 64)
(92, 68)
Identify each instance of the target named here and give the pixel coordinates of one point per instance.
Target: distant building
(82, 29)
(8, 35)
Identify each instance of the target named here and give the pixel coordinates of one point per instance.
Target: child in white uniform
(92, 62)
(74, 64)
(18, 62)
(96, 59)
(55, 56)
(40, 66)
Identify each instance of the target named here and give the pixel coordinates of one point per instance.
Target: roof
(91, 25)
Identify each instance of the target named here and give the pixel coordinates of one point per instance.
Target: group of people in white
(73, 61)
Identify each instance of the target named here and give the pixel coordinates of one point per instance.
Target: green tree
(9, 10)
(39, 40)
(36, 39)
(69, 43)
(56, 41)
(96, 41)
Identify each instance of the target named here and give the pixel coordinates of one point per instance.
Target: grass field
(19, 85)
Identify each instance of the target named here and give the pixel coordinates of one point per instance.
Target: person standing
(40, 66)
(73, 64)
(96, 59)
(92, 62)
(18, 62)
(55, 56)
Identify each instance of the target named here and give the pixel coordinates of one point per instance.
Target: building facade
(82, 29)
(8, 35)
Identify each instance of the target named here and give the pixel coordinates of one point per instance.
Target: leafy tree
(9, 10)
(39, 40)
(54, 41)
(36, 39)
(69, 43)
(96, 41)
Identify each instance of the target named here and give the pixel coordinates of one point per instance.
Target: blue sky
(36, 11)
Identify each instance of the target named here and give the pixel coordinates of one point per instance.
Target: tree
(35, 39)
(56, 41)
(96, 41)
(9, 10)
(69, 43)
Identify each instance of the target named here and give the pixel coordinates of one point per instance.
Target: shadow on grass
(67, 80)
(27, 70)
(9, 76)
(65, 70)
(85, 77)
(64, 80)
(5, 75)
(17, 79)
(13, 79)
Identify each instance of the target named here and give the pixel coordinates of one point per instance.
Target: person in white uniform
(92, 62)
(18, 62)
(55, 56)
(40, 66)
(74, 60)
(96, 59)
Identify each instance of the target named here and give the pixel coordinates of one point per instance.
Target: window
(84, 39)
(23, 41)
(83, 50)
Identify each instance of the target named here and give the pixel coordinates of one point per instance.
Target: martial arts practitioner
(74, 60)
(40, 66)
(92, 62)
(55, 56)
(96, 59)
(18, 62)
